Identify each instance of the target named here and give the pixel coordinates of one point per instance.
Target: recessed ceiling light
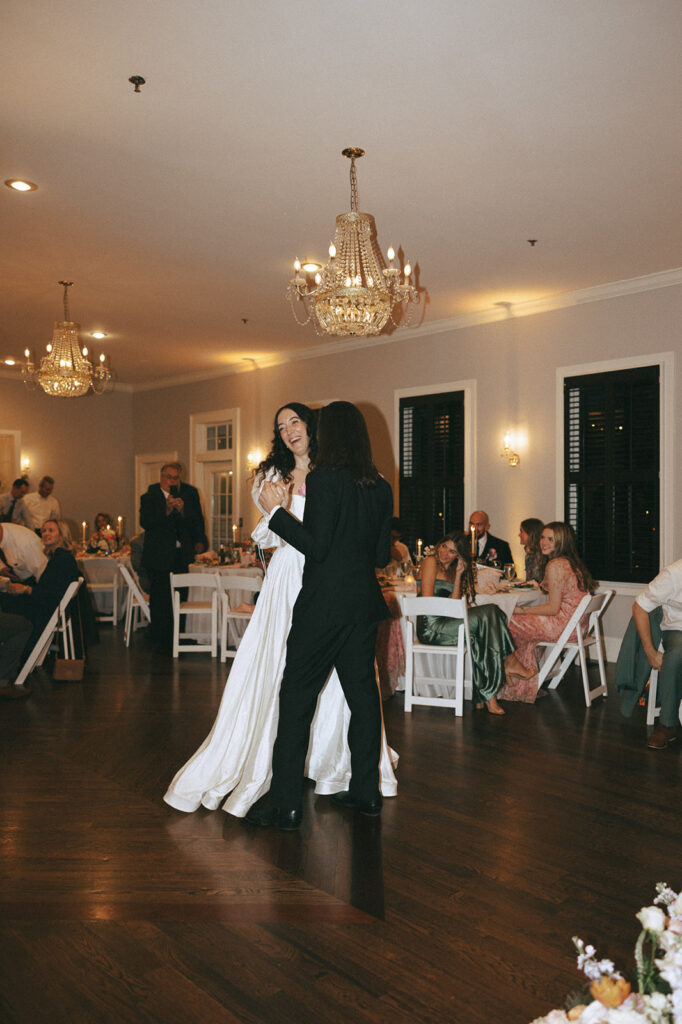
(10, 362)
(311, 268)
(98, 334)
(20, 186)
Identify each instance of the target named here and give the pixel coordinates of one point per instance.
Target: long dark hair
(462, 542)
(343, 442)
(564, 547)
(280, 458)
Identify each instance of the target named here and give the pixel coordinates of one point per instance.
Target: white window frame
(666, 362)
(200, 459)
(469, 389)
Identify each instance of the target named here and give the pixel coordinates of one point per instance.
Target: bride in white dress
(236, 756)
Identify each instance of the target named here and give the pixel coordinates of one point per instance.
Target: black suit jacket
(161, 532)
(502, 551)
(345, 535)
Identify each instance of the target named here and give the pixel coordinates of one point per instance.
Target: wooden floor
(508, 836)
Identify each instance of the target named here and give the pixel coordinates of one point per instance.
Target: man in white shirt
(38, 506)
(21, 553)
(9, 502)
(665, 591)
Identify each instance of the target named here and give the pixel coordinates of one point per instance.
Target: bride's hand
(272, 494)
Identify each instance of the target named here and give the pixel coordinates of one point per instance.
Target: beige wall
(88, 445)
(514, 364)
(84, 443)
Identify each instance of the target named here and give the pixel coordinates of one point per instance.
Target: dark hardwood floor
(508, 836)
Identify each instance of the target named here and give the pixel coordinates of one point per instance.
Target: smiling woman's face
(293, 431)
(547, 542)
(447, 553)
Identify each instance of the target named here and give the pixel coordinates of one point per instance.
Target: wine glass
(509, 571)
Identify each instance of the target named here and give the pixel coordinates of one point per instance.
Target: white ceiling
(178, 211)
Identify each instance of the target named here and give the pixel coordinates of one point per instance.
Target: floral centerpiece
(655, 994)
(103, 542)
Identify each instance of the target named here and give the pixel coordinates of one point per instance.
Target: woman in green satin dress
(448, 573)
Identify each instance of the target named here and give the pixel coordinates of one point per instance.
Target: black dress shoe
(267, 816)
(369, 807)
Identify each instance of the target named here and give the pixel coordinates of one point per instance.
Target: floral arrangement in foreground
(655, 997)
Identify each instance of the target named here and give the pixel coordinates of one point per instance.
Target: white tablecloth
(104, 569)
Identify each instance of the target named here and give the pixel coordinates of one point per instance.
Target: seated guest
(38, 602)
(104, 538)
(489, 550)
(665, 593)
(14, 633)
(566, 580)
(529, 535)
(399, 552)
(9, 501)
(35, 508)
(448, 573)
(21, 553)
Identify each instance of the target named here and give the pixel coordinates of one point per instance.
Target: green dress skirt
(491, 641)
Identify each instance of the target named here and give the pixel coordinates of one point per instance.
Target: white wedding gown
(236, 756)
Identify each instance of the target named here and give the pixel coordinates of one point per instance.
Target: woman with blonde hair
(38, 602)
(566, 580)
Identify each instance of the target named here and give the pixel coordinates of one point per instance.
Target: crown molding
(495, 314)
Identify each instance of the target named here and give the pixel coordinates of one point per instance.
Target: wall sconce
(25, 464)
(254, 459)
(512, 457)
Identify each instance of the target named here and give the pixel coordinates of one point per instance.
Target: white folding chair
(56, 621)
(574, 642)
(209, 608)
(435, 657)
(652, 709)
(108, 587)
(137, 603)
(233, 589)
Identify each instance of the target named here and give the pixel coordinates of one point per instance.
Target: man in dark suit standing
(344, 536)
(489, 549)
(171, 516)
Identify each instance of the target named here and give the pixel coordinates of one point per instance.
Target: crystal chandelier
(66, 371)
(355, 292)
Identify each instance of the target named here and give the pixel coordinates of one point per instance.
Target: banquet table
(390, 651)
(101, 571)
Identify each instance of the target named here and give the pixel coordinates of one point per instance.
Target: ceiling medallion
(66, 371)
(356, 292)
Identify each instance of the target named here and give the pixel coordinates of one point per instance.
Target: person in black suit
(345, 535)
(171, 516)
(489, 549)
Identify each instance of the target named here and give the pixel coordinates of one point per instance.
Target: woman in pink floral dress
(566, 580)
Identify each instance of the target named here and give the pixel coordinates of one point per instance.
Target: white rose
(676, 907)
(652, 919)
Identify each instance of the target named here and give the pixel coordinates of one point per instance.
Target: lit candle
(119, 527)
(419, 547)
(85, 532)
(473, 541)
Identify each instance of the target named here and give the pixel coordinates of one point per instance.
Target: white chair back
(195, 605)
(42, 645)
(234, 589)
(137, 602)
(434, 683)
(574, 642)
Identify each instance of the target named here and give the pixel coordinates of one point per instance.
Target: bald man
(489, 549)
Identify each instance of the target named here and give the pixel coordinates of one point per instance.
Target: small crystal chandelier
(66, 371)
(355, 292)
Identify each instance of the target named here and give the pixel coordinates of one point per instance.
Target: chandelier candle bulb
(332, 251)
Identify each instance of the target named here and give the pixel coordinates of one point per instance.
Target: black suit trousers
(348, 647)
(161, 602)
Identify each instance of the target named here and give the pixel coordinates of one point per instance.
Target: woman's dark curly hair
(280, 458)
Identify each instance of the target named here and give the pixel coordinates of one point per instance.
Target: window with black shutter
(431, 466)
(611, 471)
